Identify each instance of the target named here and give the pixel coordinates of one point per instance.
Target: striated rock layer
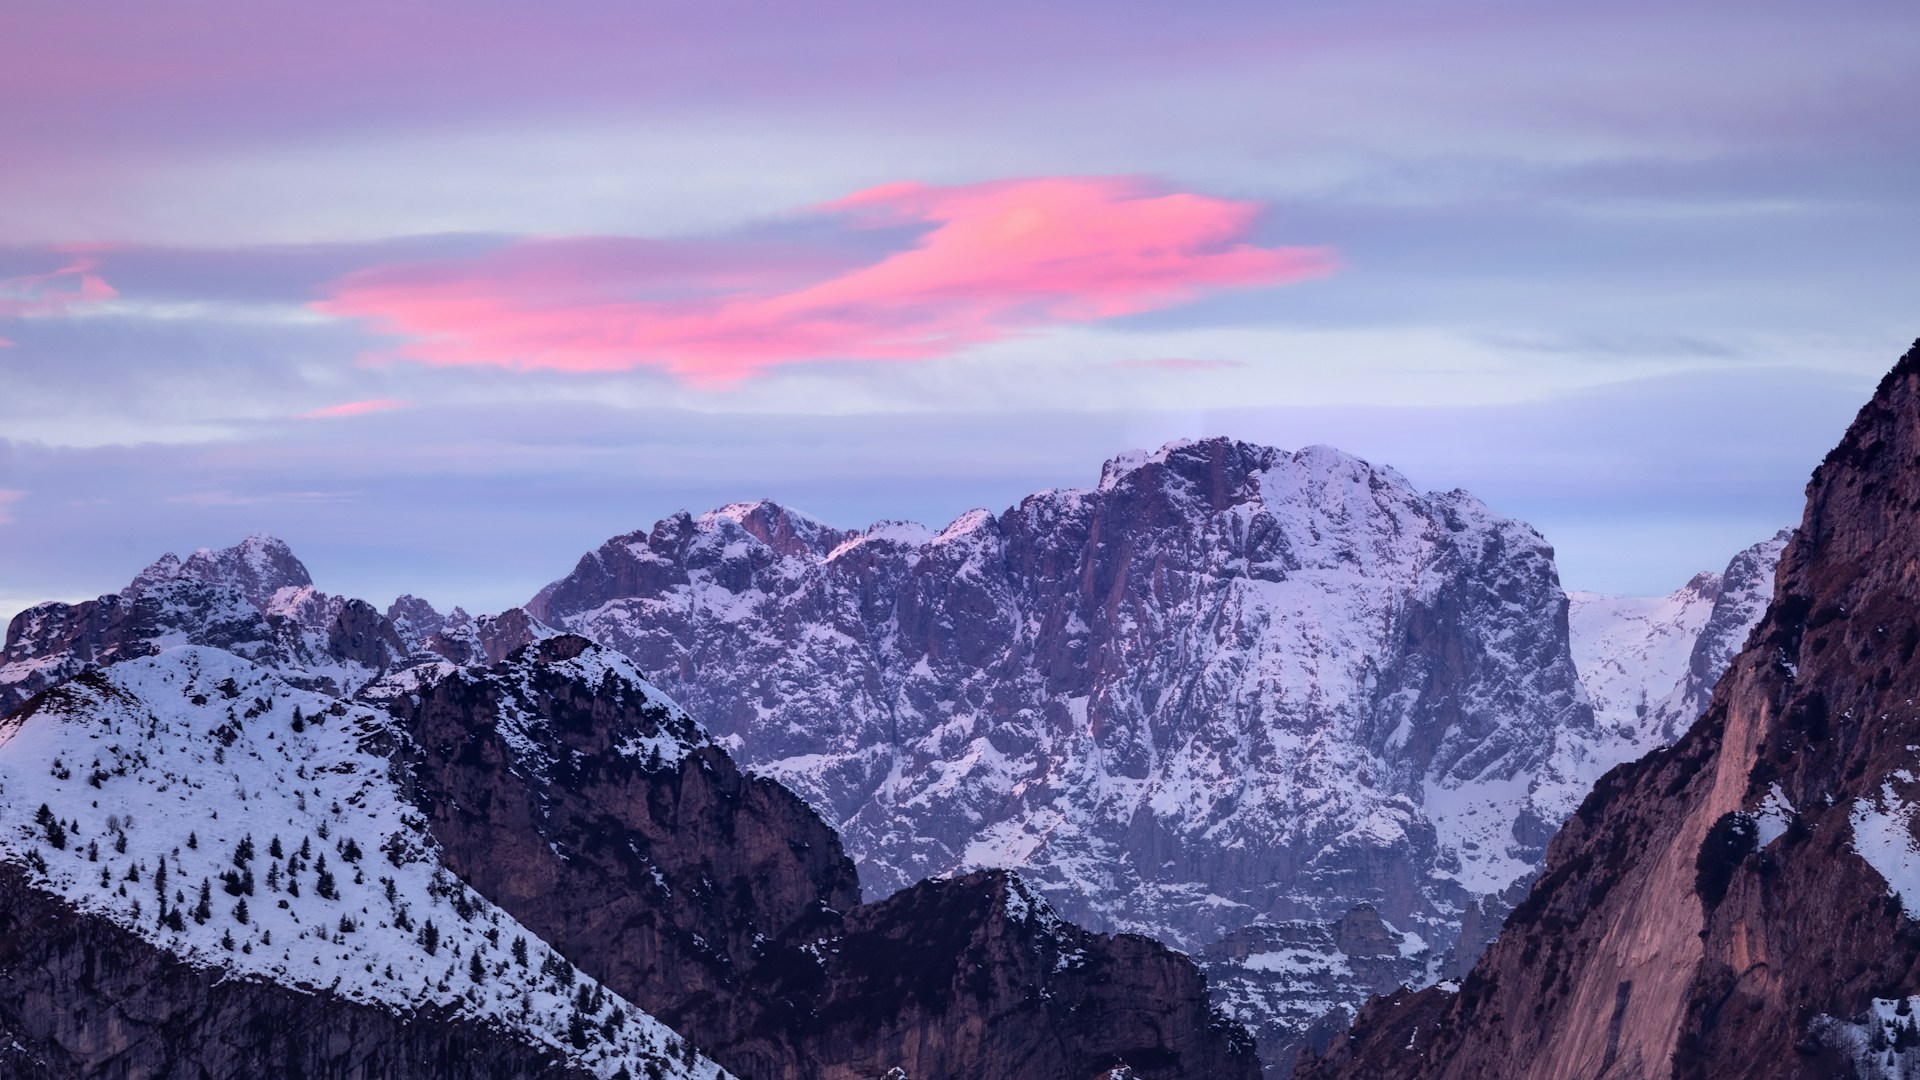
(1740, 904)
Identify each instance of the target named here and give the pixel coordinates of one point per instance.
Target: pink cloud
(989, 261)
(354, 408)
(7, 499)
(53, 292)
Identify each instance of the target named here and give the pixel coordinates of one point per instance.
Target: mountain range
(1280, 710)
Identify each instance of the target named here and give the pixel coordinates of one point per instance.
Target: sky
(447, 294)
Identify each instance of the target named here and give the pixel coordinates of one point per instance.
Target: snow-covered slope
(1649, 664)
(1632, 650)
(244, 824)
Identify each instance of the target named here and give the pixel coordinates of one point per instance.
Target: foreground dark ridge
(84, 998)
(1739, 904)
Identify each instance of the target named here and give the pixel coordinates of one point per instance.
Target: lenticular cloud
(984, 261)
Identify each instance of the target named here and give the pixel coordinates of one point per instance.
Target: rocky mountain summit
(1231, 696)
(1227, 682)
(1739, 904)
(253, 600)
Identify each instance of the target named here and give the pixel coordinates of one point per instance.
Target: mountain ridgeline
(541, 866)
(1281, 710)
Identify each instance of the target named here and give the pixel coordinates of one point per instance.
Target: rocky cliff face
(578, 798)
(1229, 686)
(976, 976)
(562, 852)
(1739, 904)
(1230, 681)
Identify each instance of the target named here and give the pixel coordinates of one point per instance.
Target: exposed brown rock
(1665, 939)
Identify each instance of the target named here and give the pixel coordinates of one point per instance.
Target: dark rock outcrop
(975, 976)
(600, 816)
(82, 998)
(1741, 903)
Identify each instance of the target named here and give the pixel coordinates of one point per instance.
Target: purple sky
(445, 294)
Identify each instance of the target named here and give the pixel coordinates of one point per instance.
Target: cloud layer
(987, 261)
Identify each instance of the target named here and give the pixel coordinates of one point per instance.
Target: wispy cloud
(355, 408)
(988, 261)
(53, 292)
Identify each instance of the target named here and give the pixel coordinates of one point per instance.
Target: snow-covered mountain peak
(1206, 639)
(260, 567)
(415, 620)
(786, 531)
(240, 823)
